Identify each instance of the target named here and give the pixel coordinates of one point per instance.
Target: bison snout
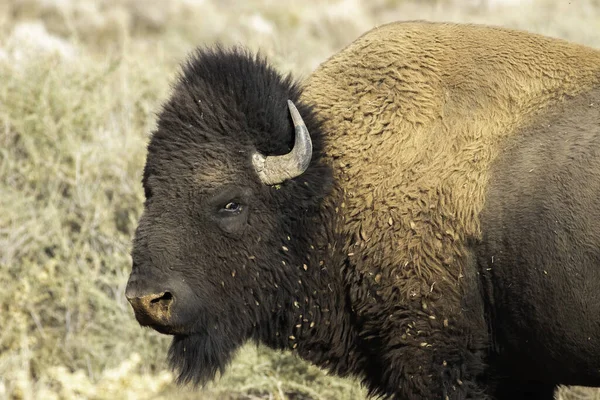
(151, 309)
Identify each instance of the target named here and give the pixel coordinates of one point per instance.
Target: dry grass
(80, 83)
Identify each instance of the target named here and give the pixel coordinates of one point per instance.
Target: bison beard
(199, 357)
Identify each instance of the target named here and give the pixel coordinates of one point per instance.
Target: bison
(422, 212)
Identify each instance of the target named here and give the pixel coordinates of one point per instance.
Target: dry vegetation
(80, 81)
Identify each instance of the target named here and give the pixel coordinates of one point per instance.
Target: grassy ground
(80, 82)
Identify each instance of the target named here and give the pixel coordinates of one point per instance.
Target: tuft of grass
(80, 84)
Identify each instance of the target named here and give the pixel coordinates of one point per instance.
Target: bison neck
(312, 314)
(320, 331)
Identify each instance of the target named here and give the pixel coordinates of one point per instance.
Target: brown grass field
(80, 82)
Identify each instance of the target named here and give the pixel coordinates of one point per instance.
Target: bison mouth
(198, 357)
(168, 329)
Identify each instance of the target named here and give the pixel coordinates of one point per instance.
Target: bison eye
(232, 209)
(232, 206)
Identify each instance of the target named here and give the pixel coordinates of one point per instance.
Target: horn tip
(295, 114)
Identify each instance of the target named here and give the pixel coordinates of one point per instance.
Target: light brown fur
(415, 113)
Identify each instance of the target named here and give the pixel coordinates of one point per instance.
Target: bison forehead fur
(376, 261)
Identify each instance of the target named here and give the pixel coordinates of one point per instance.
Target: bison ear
(276, 169)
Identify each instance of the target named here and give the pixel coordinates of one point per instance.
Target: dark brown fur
(540, 251)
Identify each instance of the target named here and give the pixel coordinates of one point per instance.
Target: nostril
(163, 299)
(152, 309)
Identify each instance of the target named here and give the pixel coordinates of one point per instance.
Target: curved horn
(276, 169)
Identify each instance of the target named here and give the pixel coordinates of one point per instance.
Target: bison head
(233, 188)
